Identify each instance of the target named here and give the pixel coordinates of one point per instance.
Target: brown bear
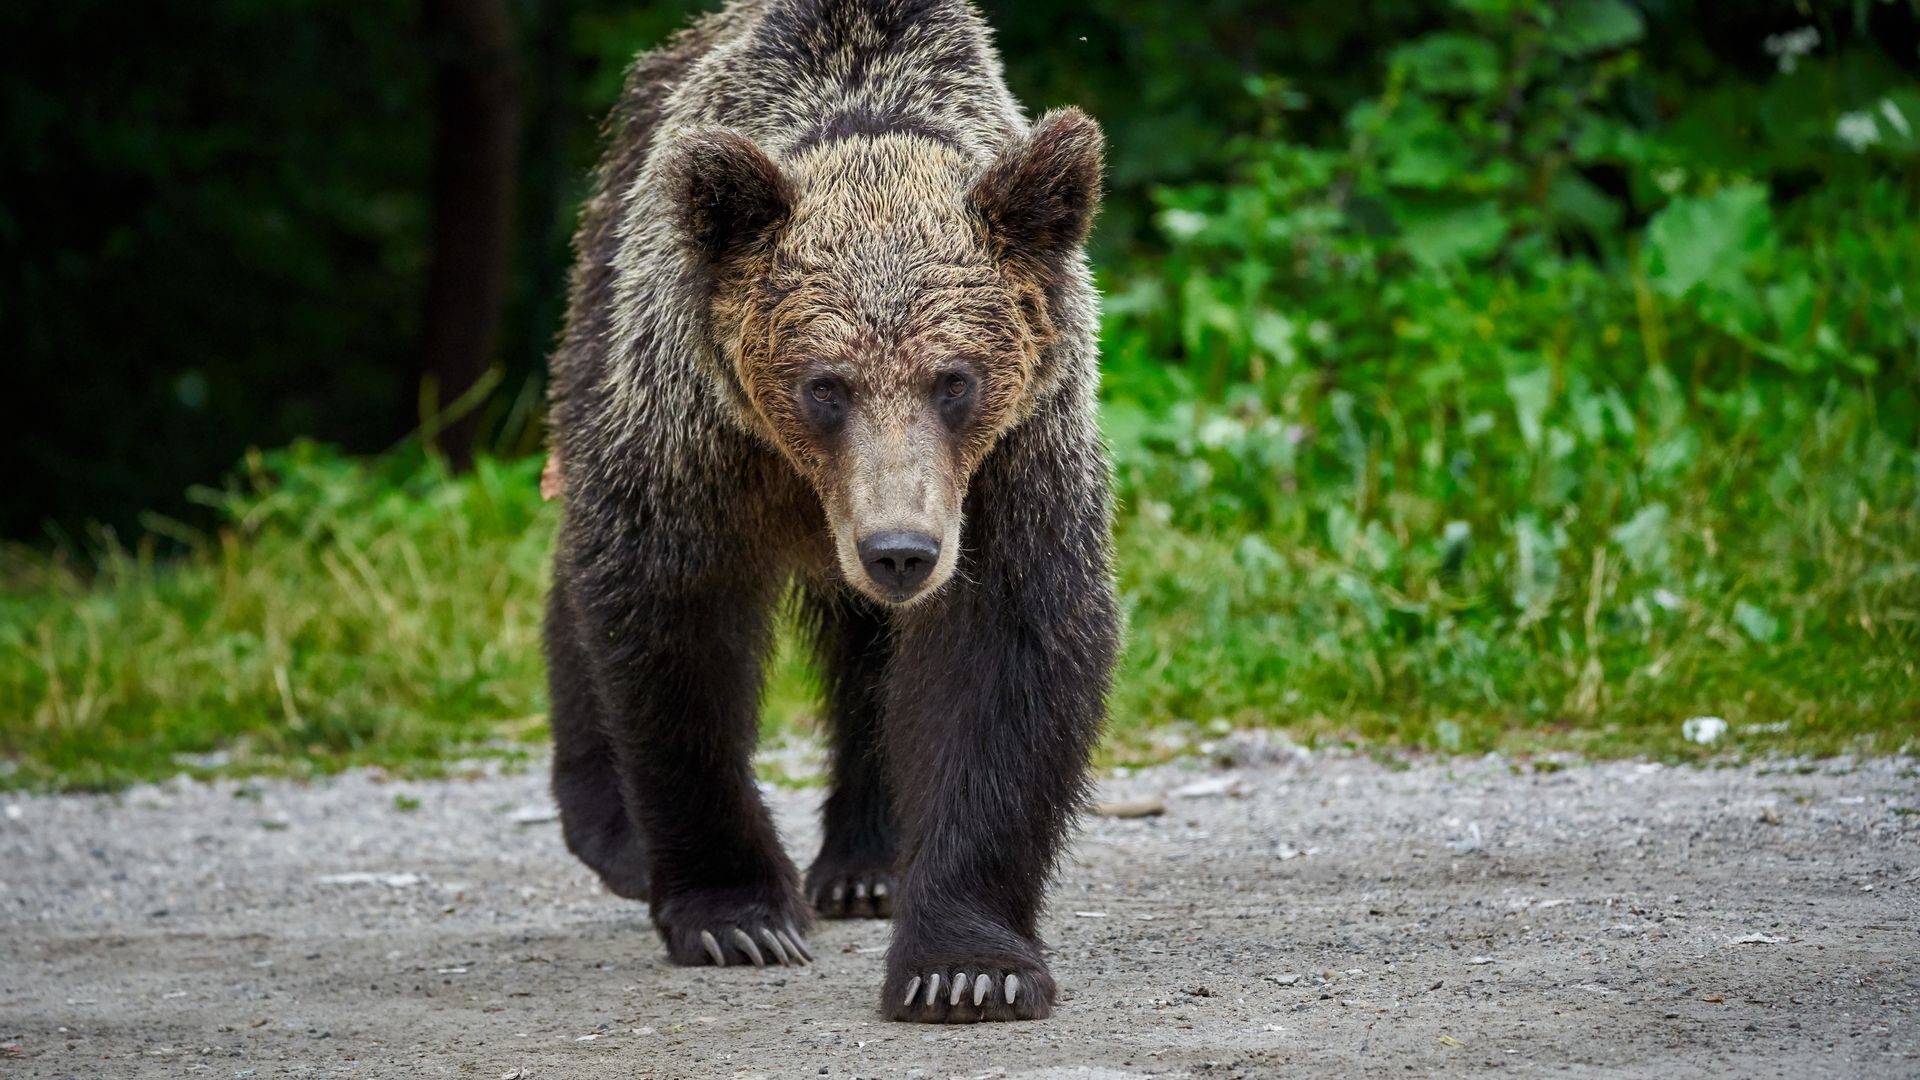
(832, 333)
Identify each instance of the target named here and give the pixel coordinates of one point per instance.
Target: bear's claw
(855, 895)
(773, 942)
(969, 998)
(786, 945)
(745, 941)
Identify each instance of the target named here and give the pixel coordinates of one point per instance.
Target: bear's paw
(744, 947)
(727, 934)
(843, 892)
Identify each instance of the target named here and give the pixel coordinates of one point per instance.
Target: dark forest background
(229, 223)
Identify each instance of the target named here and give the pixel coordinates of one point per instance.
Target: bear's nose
(899, 561)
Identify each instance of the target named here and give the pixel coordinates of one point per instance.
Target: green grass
(380, 612)
(343, 613)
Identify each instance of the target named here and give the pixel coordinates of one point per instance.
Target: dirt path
(1330, 916)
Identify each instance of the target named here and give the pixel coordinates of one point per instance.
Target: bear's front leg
(995, 695)
(853, 876)
(676, 658)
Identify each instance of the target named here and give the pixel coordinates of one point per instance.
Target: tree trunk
(545, 254)
(476, 135)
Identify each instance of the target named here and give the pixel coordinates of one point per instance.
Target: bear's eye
(823, 403)
(954, 400)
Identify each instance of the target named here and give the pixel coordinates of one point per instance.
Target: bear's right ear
(1038, 200)
(729, 197)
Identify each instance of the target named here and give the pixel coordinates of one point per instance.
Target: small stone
(1148, 806)
(534, 814)
(1209, 788)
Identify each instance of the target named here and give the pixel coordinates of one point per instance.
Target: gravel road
(1300, 914)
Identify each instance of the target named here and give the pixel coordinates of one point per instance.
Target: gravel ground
(1300, 914)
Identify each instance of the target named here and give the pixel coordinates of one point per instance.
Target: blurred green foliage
(213, 218)
(1494, 373)
(1508, 405)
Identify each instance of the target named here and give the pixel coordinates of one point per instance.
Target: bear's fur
(830, 293)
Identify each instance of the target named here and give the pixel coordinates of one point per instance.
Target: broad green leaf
(1447, 63)
(1444, 236)
(1696, 240)
(1574, 200)
(1433, 158)
(1598, 137)
(1591, 26)
(1273, 334)
(1793, 304)
(1794, 358)
(1421, 144)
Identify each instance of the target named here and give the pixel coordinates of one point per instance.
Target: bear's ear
(729, 197)
(1038, 199)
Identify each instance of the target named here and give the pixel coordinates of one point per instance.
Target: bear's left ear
(729, 197)
(1038, 199)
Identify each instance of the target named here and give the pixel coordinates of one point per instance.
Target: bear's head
(881, 311)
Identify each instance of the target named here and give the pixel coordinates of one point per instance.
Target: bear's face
(886, 374)
(883, 319)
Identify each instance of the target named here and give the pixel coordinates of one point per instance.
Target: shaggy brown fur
(831, 323)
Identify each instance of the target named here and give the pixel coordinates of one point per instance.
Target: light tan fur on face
(882, 281)
(897, 474)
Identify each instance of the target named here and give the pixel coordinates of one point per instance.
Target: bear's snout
(899, 562)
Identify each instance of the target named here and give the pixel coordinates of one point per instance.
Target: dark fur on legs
(996, 700)
(586, 786)
(853, 876)
(680, 626)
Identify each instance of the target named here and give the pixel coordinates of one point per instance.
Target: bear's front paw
(703, 930)
(961, 993)
(850, 889)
